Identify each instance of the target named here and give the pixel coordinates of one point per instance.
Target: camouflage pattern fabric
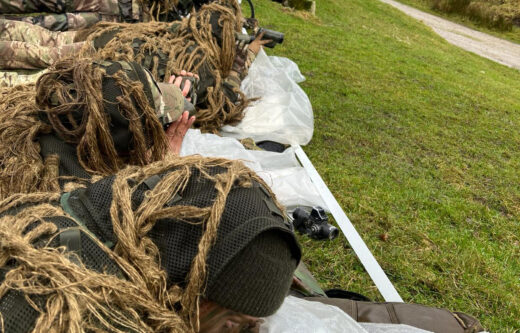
(11, 31)
(22, 55)
(171, 105)
(11, 79)
(24, 46)
(49, 6)
(167, 98)
(108, 7)
(82, 14)
(64, 22)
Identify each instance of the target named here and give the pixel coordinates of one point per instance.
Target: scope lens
(334, 232)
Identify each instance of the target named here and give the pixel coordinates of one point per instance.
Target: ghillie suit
(164, 10)
(202, 44)
(22, 167)
(136, 251)
(82, 119)
(170, 10)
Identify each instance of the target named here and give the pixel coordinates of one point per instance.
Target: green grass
(417, 139)
(513, 36)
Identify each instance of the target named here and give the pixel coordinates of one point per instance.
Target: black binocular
(275, 37)
(314, 224)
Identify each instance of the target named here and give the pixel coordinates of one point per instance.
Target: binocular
(314, 224)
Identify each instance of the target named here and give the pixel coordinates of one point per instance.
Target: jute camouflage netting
(70, 101)
(203, 43)
(83, 108)
(158, 9)
(79, 299)
(22, 167)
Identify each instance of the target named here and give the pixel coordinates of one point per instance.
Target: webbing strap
(152, 181)
(64, 202)
(383, 284)
(268, 201)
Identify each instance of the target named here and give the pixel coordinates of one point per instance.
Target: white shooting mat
(281, 171)
(283, 114)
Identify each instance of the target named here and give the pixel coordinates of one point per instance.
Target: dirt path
(496, 49)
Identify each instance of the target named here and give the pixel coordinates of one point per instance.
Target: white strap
(356, 242)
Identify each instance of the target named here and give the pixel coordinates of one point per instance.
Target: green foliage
(418, 140)
(482, 15)
(500, 14)
(450, 6)
(300, 4)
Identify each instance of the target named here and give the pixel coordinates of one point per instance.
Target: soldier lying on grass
(204, 44)
(183, 245)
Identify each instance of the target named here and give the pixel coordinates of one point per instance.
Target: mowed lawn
(419, 142)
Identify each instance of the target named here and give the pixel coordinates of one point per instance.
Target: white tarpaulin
(283, 113)
(288, 66)
(281, 171)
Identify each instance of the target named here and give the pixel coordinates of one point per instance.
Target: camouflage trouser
(49, 6)
(22, 55)
(63, 22)
(24, 46)
(82, 14)
(16, 31)
(11, 79)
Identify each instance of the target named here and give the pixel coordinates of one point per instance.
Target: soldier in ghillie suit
(68, 15)
(31, 42)
(85, 119)
(184, 245)
(204, 43)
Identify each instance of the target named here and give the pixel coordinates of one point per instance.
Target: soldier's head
(252, 285)
(221, 234)
(114, 112)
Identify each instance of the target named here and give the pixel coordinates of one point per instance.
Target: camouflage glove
(243, 59)
(251, 23)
